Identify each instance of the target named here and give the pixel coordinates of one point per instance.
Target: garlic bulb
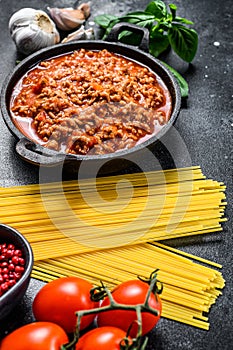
(70, 18)
(32, 30)
(80, 34)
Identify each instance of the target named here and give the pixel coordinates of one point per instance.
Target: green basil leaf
(164, 25)
(184, 41)
(173, 9)
(109, 28)
(104, 20)
(158, 43)
(184, 88)
(157, 8)
(144, 20)
(140, 15)
(182, 20)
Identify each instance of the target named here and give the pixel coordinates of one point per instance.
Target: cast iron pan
(42, 156)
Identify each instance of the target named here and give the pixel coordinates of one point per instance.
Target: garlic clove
(89, 34)
(32, 30)
(85, 8)
(69, 18)
(80, 34)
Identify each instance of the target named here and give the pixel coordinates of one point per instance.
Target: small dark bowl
(12, 297)
(42, 156)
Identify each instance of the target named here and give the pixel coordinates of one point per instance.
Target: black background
(205, 125)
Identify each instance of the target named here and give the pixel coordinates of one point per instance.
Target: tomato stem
(153, 282)
(99, 293)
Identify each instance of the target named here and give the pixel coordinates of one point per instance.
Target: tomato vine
(98, 293)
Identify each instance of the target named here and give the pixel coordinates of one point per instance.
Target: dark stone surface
(204, 128)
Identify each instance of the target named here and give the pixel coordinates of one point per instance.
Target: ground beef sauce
(90, 102)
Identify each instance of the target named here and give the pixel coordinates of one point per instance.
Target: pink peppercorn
(12, 265)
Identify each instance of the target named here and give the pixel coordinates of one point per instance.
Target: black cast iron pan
(42, 156)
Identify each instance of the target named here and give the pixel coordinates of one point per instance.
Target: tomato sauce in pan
(90, 102)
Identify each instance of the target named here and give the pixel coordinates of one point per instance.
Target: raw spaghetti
(61, 219)
(189, 288)
(109, 229)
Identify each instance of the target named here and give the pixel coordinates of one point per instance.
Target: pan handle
(119, 27)
(34, 154)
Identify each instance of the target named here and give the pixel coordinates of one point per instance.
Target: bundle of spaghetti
(75, 217)
(108, 229)
(190, 287)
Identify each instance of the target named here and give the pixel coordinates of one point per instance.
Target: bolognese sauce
(90, 102)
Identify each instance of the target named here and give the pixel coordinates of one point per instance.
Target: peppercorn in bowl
(16, 262)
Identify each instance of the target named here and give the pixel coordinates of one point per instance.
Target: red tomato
(36, 336)
(103, 338)
(132, 292)
(57, 302)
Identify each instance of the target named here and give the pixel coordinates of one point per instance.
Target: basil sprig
(166, 30)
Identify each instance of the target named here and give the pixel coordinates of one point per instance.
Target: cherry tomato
(132, 292)
(36, 336)
(102, 338)
(58, 300)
